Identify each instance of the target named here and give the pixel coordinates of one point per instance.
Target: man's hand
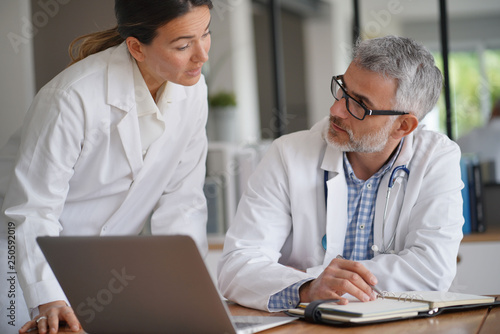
(49, 317)
(341, 276)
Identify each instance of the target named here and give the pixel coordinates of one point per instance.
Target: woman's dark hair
(136, 18)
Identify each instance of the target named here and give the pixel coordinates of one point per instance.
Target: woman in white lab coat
(114, 143)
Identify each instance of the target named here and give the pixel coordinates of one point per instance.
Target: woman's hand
(50, 315)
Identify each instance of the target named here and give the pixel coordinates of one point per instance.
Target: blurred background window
(475, 86)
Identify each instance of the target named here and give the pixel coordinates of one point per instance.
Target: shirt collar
(143, 99)
(145, 103)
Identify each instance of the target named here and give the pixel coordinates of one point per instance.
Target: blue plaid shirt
(360, 210)
(359, 234)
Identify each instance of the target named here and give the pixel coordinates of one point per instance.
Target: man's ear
(405, 125)
(135, 48)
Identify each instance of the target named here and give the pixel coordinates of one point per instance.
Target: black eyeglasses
(356, 109)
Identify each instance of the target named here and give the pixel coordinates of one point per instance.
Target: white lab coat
(281, 218)
(81, 169)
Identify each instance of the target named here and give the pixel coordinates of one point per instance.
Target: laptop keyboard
(244, 324)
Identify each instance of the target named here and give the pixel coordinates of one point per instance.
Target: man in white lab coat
(317, 221)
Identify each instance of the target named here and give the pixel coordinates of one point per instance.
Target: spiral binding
(405, 297)
(410, 297)
(386, 294)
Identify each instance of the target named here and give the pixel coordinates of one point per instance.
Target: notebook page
(440, 298)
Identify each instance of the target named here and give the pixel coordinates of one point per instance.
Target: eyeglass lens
(353, 106)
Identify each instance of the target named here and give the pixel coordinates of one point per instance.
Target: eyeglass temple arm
(386, 112)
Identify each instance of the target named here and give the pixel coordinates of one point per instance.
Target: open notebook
(393, 306)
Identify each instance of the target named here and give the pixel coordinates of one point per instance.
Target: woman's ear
(135, 48)
(406, 125)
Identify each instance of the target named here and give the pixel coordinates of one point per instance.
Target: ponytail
(89, 44)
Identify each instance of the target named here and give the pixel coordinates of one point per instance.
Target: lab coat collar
(120, 79)
(406, 151)
(120, 94)
(332, 160)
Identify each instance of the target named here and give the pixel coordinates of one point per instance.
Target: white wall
(232, 64)
(17, 88)
(17, 83)
(327, 51)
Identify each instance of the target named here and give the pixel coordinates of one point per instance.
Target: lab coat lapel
(137, 204)
(128, 129)
(336, 213)
(120, 96)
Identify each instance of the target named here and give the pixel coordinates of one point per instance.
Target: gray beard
(370, 143)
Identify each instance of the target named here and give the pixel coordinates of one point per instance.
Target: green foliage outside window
(492, 60)
(468, 84)
(222, 99)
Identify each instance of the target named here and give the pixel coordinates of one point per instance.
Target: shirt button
(362, 227)
(369, 185)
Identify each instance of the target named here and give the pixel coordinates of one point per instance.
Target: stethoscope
(395, 175)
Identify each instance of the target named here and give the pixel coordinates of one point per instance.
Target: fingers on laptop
(50, 319)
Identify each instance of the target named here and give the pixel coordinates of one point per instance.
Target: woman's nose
(201, 54)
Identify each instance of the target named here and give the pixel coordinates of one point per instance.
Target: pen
(374, 287)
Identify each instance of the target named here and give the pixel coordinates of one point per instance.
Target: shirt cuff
(287, 298)
(34, 312)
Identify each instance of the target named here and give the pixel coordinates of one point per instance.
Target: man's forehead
(368, 86)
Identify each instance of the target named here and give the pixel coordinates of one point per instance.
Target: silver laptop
(143, 284)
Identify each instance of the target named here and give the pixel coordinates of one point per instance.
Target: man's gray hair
(410, 63)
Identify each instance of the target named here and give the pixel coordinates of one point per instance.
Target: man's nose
(339, 108)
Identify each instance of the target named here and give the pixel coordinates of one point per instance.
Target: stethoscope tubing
(392, 180)
(386, 249)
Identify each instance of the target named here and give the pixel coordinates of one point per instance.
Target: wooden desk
(492, 234)
(480, 321)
